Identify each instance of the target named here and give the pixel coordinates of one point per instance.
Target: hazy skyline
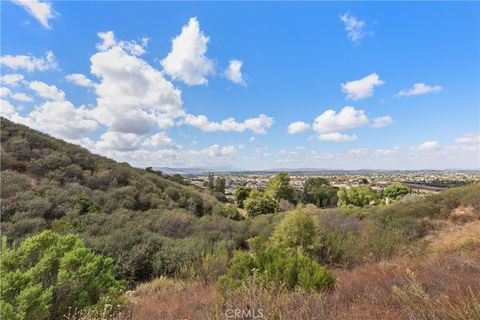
(249, 85)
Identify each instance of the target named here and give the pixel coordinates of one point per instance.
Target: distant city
(417, 180)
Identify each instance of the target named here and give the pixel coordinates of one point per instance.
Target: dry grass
(366, 292)
(454, 235)
(443, 286)
(171, 299)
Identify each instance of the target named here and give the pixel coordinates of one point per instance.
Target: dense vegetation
(80, 229)
(147, 223)
(49, 274)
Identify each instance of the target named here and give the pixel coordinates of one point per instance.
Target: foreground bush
(50, 274)
(297, 229)
(285, 267)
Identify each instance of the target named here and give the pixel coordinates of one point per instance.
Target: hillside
(148, 224)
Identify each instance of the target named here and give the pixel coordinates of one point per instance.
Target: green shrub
(48, 274)
(358, 196)
(259, 203)
(395, 191)
(296, 229)
(286, 267)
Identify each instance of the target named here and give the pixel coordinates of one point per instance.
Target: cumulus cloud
(187, 60)
(363, 88)
(381, 122)
(132, 95)
(108, 40)
(160, 140)
(132, 47)
(469, 139)
(386, 152)
(361, 152)
(234, 72)
(11, 79)
(418, 89)
(118, 141)
(337, 137)
(29, 62)
(5, 92)
(347, 118)
(6, 110)
(80, 80)
(40, 10)
(49, 92)
(259, 124)
(426, 146)
(297, 127)
(131, 98)
(215, 151)
(19, 96)
(62, 119)
(355, 27)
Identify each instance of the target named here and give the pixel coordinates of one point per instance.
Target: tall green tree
(241, 194)
(211, 181)
(220, 184)
(319, 192)
(279, 187)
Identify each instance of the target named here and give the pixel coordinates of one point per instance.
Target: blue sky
(324, 84)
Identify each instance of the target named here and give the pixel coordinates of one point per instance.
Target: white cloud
(132, 47)
(108, 40)
(80, 80)
(215, 151)
(42, 11)
(11, 79)
(259, 124)
(426, 146)
(187, 60)
(234, 72)
(6, 110)
(469, 139)
(387, 152)
(297, 127)
(361, 152)
(30, 63)
(418, 89)
(251, 139)
(47, 92)
(337, 137)
(118, 141)
(355, 27)
(5, 92)
(160, 140)
(132, 95)
(21, 97)
(62, 119)
(363, 88)
(347, 118)
(381, 122)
